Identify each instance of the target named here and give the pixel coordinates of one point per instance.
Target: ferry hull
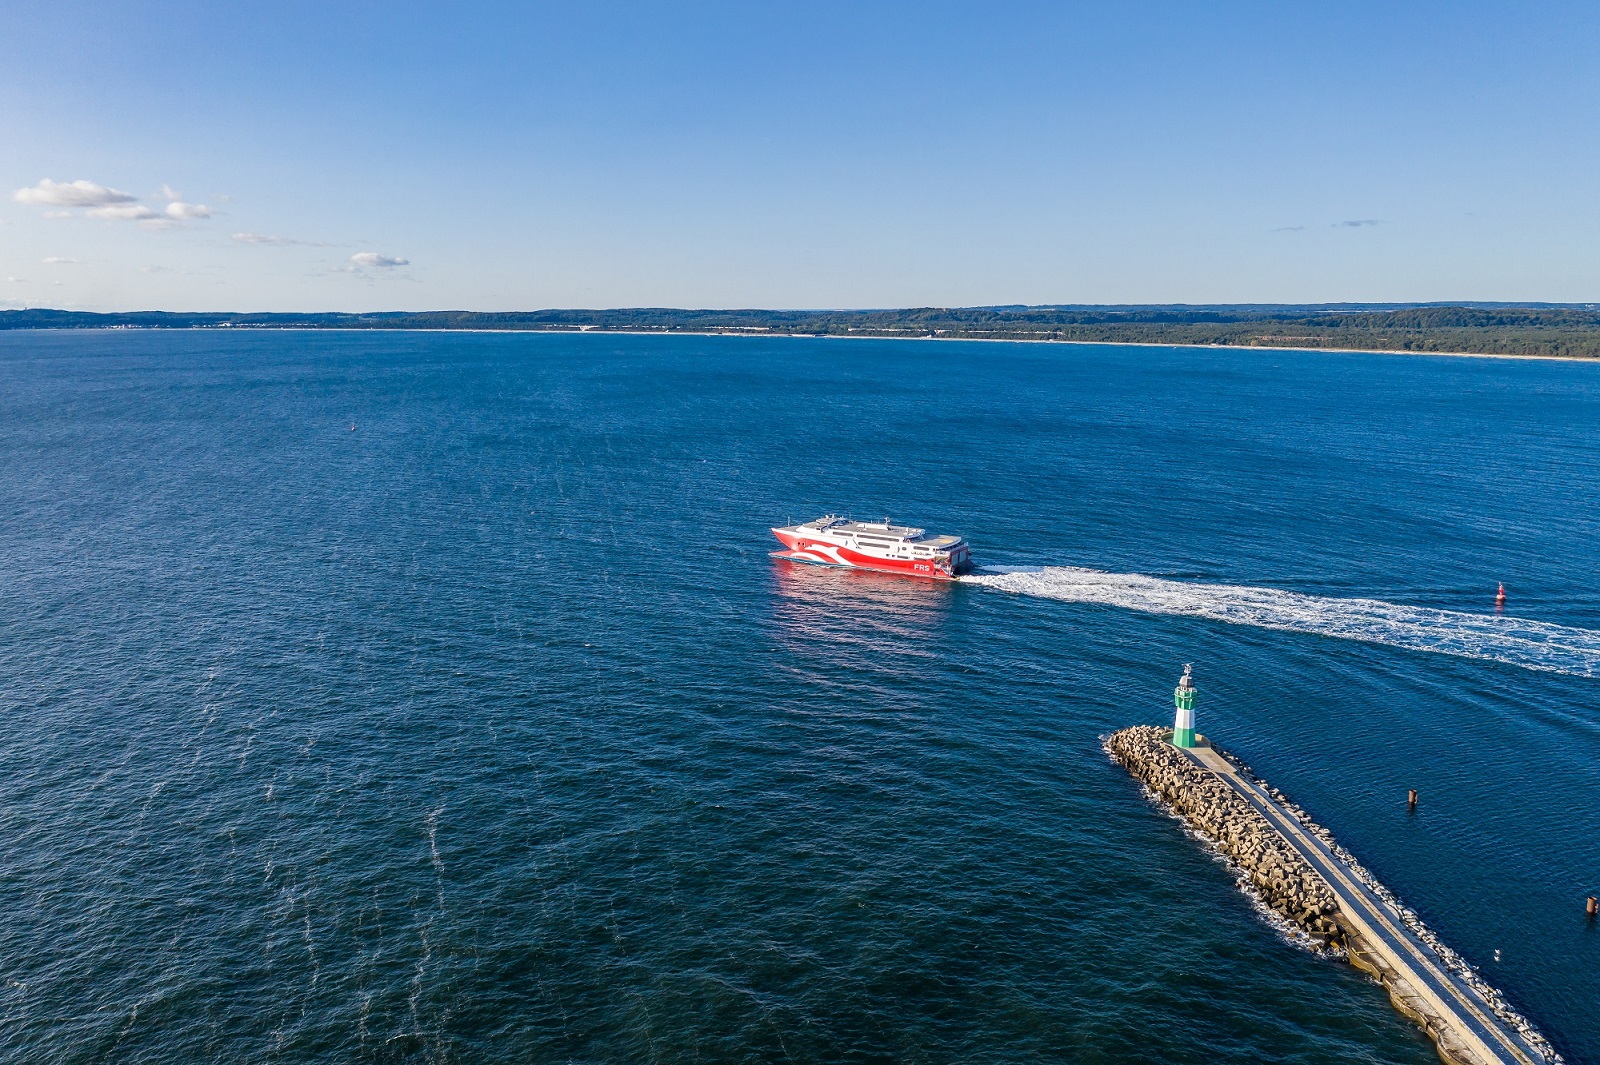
(876, 566)
(819, 552)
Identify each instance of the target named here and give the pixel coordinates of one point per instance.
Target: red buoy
(1500, 596)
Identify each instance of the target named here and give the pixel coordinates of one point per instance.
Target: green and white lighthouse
(1183, 726)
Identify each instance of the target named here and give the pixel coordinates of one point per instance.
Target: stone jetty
(1295, 868)
(1280, 878)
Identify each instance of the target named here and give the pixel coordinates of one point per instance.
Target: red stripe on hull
(825, 553)
(915, 567)
(812, 560)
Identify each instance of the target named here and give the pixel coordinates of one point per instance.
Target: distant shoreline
(753, 334)
(1026, 340)
(1490, 330)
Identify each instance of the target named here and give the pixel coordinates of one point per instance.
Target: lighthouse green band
(1183, 726)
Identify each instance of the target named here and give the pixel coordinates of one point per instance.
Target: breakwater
(1296, 869)
(1282, 880)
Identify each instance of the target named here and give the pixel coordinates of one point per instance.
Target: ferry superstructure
(876, 545)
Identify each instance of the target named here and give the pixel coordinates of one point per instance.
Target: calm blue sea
(431, 697)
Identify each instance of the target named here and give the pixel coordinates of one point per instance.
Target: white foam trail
(1497, 638)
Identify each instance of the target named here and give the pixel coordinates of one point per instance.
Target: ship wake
(1513, 641)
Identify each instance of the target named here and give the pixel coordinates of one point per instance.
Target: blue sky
(327, 156)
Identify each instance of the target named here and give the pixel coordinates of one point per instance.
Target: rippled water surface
(391, 697)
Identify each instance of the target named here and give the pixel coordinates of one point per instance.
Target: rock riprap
(1284, 883)
(1279, 877)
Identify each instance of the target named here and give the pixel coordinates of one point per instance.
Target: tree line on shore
(1540, 329)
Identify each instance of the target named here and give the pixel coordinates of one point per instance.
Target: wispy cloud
(1288, 229)
(102, 201)
(1357, 223)
(267, 238)
(49, 193)
(382, 262)
(127, 212)
(57, 260)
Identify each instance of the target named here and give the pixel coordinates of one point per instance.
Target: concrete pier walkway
(1463, 1026)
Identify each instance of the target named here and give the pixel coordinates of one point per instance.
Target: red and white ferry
(875, 545)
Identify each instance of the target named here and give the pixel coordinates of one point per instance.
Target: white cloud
(267, 238)
(372, 258)
(71, 194)
(130, 212)
(57, 260)
(100, 201)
